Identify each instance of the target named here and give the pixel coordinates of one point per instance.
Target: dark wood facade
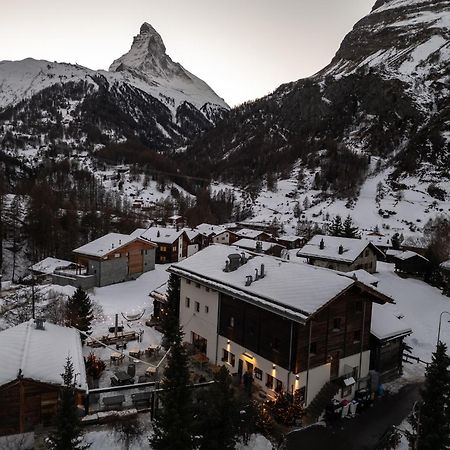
(340, 329)
(386, 357)
(167, 252)
(26, 403)
(415, 265)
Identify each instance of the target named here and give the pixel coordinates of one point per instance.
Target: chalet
(268, 248)
(226, 236)
(292, 325)
(342, 254)
(113, 258)
(291, 242)
(411, 263)
(45, 269)
(172, 245)
(208, 232)
(248, 233)
(445, 271)
(380, 240)
(159, 296)
(386, 343)
(194, 240)
(34, 355)
(177, 221)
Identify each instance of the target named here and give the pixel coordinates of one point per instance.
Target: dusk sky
(242, 49)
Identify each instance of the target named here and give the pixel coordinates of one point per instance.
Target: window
(231, 322)
(356, 336)
(188, 302)
(313, 348)
(232, 359)
(188, 281)
(116, 255)
(206, 309)
(347, 391)
(163, 248)
(174, 248)
(278, 385)
(162, 258)
(146, 252)
(337, 324)
(269, 381)
(225, 354)
(258, 373)
(355, 372)
(197, 307)
(228, 357)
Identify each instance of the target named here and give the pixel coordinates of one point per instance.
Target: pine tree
(396, 241)
(79, 312)
(173, 426)
(219, 414)
(171, 313)
(336, 226)
(350, 231)
(67, 435)
(433, 427)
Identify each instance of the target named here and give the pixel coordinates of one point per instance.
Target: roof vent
(341, 249)
(259, 246)
(322, 244)
(262, 274)
(39, 323)
(249, 280)
(120, 241)
(243, 259)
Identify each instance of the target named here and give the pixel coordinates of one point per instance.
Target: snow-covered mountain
(145, 96)
(385, 93)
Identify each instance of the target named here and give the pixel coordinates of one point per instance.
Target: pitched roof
(48, 265)
(250, 244)
(352, 248)
(40, 355)
(385, 325)
(249, 233)
(410, 254)
(445, 265)
(105, 244)
(363, 276)
(291, 289)
(158, 235)
(206, 229)
(289, 238)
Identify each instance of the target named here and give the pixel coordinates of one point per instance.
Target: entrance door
(249, 367)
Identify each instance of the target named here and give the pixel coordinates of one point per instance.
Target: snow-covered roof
(445, 265)
(206, 229)
(291, 289)
(48, 265)
(160, 293)
(382, 241)
(250, 244)
(105, 244)
(392, 252)
(385, 325)
(158, 235)
(40, 355)
(290, 238)
(191, 233)
(249, 233)
(363, 276)
(409, 254)
(352, 248)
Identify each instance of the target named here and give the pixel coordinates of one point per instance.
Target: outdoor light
(247, 355)
(297, 377)
(228, 342)
(274, 366)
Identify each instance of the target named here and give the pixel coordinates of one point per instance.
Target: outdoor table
(123, 378)
(135, 352)
(116, 357)
(150, 371)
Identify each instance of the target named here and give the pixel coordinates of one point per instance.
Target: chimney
(112, 245)
(39, 323)
(262, 274)
(249, 280)
(120, 241)
(322, 244)
(234, 262)
(341, 249)
(256, 275)
(243, 258)
(259, 246)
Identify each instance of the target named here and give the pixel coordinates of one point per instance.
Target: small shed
(411, 263)
(387, 333)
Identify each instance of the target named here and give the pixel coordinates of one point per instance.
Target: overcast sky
(242, 48)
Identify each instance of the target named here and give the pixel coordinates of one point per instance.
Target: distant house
(268, 248)
(411, 263)
(172, 245)
(386, 343)
(291, 242)
(176, 220)
(391, 254)
(33, 357)
(159, 296)
(445, 271)
(226, 237)
(256, 235)
(208, 232)
(195, 241)
(381, 241)
(342, 254)
(114, 258)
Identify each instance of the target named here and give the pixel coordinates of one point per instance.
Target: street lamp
(439, 329)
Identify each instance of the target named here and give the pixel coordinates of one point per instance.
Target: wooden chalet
(411, 263)
(33, 356)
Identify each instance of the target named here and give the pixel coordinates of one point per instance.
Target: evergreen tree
(174, 427)
(396, 241)
(336, 226)
(219, 414)
(350, 231)
(79, 312)
(171, 313)
(67, 435)
(433, 427)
